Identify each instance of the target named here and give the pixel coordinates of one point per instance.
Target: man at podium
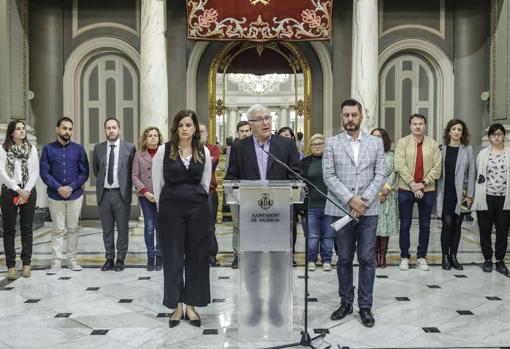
(249, 160)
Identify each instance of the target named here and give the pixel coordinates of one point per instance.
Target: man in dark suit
(112, 161)
(249, 161)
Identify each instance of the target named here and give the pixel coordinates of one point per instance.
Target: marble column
(153, 71)
(232, 121)
(47, 66)
(471, 65)
(365, 44)
(283, 117)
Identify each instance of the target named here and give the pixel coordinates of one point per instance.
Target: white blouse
(15, 182)
(157, 171)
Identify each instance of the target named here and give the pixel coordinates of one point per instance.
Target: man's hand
(417, 186)
(358, 204)
(65, 191)
(418, 194)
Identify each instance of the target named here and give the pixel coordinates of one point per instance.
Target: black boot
(455, 263)
(150, 264)
(159, 263)
(446, 262)
(383, 249)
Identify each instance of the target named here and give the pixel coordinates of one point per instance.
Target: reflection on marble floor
(434, 309)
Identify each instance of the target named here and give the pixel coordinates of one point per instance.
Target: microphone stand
(306, 339)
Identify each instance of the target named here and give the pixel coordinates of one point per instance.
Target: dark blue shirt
(63, 165)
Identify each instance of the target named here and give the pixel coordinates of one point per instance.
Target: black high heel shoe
(196, 322)
(173, 323)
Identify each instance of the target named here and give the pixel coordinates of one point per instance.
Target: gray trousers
(114, 211)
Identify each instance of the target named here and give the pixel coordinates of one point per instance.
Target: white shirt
(157, 171)
(15, 182)
(116, 150)
(355, 146)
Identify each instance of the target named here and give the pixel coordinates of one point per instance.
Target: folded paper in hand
(339, 224)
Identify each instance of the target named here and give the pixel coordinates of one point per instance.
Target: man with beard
(112, 161)
(64, 168)
(354, 171)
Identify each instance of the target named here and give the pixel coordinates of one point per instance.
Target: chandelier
(258, 84)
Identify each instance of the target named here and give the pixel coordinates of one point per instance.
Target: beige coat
(405, 162)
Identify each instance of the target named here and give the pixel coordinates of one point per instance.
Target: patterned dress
(388, 223)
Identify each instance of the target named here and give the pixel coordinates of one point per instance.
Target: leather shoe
(108, 265)
(487, 266)
(150, 264)
(455, 263)
(119, 266)
(341, 312)
(235, 262)
(446, 263)
(501, 268)
(367, 318)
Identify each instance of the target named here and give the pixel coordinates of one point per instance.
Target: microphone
(337, 225)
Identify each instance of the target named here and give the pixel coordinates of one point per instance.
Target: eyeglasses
(259, 120)
(498, 134)
(316, 145)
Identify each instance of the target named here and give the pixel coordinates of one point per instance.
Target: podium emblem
(265, 202)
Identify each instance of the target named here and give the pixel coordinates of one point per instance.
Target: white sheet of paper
(339, 224)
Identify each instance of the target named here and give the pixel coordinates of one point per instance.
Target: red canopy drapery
(259, 20)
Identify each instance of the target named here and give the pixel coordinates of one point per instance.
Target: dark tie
(111, 162)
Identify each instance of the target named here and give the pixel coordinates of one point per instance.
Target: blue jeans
(320, 232)
(149, 210)
(406, 200)
(360, 238)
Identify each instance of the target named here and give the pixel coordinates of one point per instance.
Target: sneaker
(311, 266)
(73, 265)
(421, 263)
(55, 267)
(404, 264)
(326, 267)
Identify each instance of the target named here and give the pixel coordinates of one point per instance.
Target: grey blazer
(99, 166)
(465, 172)
(344, 179)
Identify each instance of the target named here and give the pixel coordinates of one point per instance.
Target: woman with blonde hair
(320, 231)
(141, 175)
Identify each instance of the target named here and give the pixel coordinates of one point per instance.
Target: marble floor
(92, 309)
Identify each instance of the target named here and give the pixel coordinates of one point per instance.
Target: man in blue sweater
(64, 168)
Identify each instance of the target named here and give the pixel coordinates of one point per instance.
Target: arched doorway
(101, 79)
(259, 59)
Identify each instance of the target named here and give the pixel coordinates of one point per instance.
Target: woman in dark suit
(181, 174)
(458, 174)
(142, 180)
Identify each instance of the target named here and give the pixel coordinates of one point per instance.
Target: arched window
(408, 85)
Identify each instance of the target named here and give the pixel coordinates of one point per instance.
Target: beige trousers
(65, 215)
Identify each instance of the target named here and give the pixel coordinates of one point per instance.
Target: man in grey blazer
(112, 161)
(354, 171)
